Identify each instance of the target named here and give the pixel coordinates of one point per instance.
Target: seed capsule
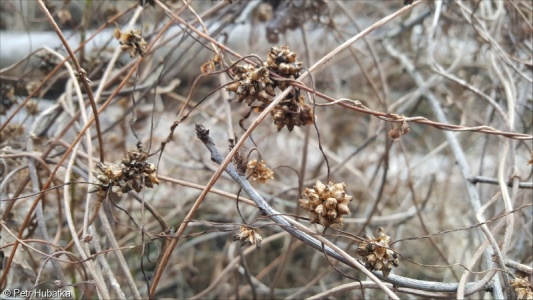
(330, 203)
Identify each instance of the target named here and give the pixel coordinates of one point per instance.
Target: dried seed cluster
(259, 171)
(376, 253)
(523, 288)
(326, 204)
(292, 111)
(211, 65)
(11, 131)
(48, 61)
(131, 42)
(252, 83)
(283, 61)
(398, 129)
(7, 97)
(248, 236)
(32, 108)
(255, 83)
(133, 173)
(290, 15)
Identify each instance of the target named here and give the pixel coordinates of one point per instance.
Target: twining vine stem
(304, 234)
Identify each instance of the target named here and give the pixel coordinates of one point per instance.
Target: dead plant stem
(82, 74)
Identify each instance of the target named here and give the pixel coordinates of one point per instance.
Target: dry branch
(303, 233)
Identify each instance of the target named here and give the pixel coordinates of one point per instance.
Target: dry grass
(425, 111)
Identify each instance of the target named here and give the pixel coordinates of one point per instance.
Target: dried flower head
(376, 253)
(263, 12)
(7, 97)
(32, 108)
(248, 236)
(290, 15)
(48, 61)
(64, 16)
(211, 65)
(291, 112)
(283, 61)
(523, 288)
(530, 162)
(259, 171)
(31, 86)
(131, 42)
(133, 173)
(326, 204)
(252, 83)
(398, 130)
(11, 131)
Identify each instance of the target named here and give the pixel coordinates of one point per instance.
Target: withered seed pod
(259, 171)
(248, 236)
(253, 83)
(131, 42)
(376, 253)
(322, 203)
(233, 87)
(133, 173)
(522, 287)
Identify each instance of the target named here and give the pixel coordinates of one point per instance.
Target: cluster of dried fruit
(289, 15)
(11, 131)
(376, 253)
(326, 204)
(211, 65)
(133, 173)
(253, 83)
(248, 236)
(283, 61)
(131, 42)
(398, 129)
(7, 97)
(292, 111)
(523, 288)
(48, 61)
(259, 171)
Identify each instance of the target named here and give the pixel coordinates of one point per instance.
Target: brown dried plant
(259, 171)
(361, 72)
(248, 236)
(256, 83)
(133, 173)
(131, 42)
(523, 288)
(376, 253)
(326, 204)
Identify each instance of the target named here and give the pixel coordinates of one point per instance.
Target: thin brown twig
(82, 74)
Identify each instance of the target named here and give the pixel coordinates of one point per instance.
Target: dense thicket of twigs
(424, 110)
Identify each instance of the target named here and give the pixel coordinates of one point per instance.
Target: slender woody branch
(298, 231)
